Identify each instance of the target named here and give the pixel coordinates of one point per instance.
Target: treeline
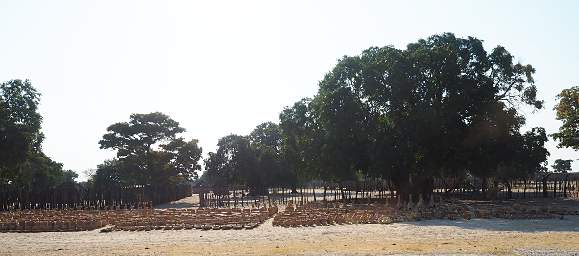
(153, 164)
(443, 107)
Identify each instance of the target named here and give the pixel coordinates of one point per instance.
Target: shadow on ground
(187, 202)
(176, 205)
(567, 224)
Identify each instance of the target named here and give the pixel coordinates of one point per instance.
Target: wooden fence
(75, 196)
(552, 186)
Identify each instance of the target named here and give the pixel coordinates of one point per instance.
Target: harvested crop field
(476, 236)
(524, 227)
(33, 221)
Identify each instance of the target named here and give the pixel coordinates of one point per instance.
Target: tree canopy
(20, 124)
(441, 107)
(562, 166)
(568, 112)
(22, 162)
(149, 152)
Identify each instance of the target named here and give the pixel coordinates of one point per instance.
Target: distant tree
(235, 163)
(149, 151)
(267, 135)
(38, 172)
(563, 167)
(110, 174)
(140, 134)
(568, 112)
(184, 157)
(266, 141)
(524, 156)
(534, 154)
(217, 170)
(301, 142)
(69, 176)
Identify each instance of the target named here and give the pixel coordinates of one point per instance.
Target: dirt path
(427, 237)
(187, 202)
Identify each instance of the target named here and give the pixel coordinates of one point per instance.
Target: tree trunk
(555, 189)
(565, 185)
(525, 189)
(544, 181)
(509, 190)
(314, 190)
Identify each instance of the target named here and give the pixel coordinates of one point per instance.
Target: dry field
(35, 221)
(476, 236)
(495, 236)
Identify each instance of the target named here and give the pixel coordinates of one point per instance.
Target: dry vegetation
(133, 220)
(310, 214)
(332, 213)
(503, 227)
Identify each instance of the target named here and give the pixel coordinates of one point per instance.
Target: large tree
(140, 134)
(266, 141)
(20, 124)
(22, 162)
(150, 152)
(301, 142)
(442, 106)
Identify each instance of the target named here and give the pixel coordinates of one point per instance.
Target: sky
(223, 67)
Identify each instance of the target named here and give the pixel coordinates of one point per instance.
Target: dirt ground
(477, 236)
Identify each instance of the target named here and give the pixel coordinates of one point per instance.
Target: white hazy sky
(221, 67)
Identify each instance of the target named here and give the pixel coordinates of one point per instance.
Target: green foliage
(266, 141)
(20, 124)
(140, 134)
(148, 152)
(562, 166)
(266, 136)
(234, 163)
(523, 155)
(257, 161)
(22, 162)
(568, 112)
(301, 141)
(39, 172)
(184, 157)
(111, 173)
(441, 107)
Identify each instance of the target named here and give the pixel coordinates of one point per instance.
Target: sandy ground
(187, 202)
(495, 236)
